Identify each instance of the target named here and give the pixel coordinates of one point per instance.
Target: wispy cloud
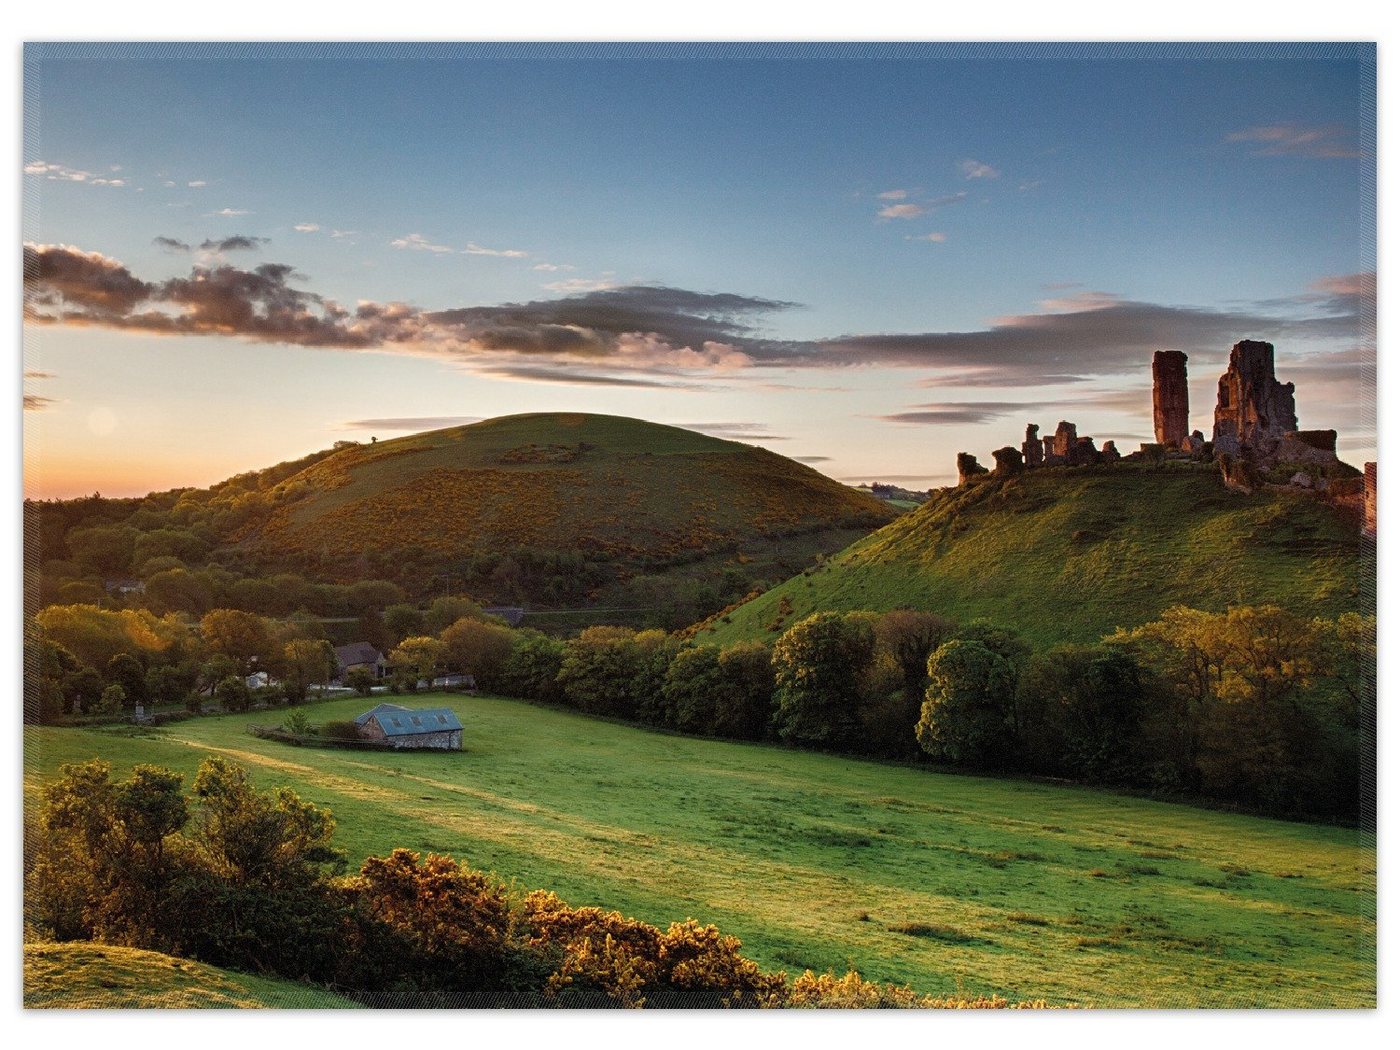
(736, 431)
(35, 374)
(63, 173)
(959, 412)
(902, 211)
(1299, 140)
(236, 243)
(975, 169)
(545, 267)
(573, 377)
(573, 285)
(197, 184)
(893, 195)
(811, 459)
(228, 213)
(934, 238)
(171, 244)
(413, 423)
(35, 403)
(505, 253)
(307, 227)
(416, 242)
(342, 234)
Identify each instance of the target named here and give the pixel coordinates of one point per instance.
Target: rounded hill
(544, 495)
(1070, 554)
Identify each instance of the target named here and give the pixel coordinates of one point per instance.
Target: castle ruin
(1255, 431)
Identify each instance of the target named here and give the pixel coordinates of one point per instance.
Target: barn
(412, 727)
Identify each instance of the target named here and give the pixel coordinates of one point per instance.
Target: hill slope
(1069, 554)
(82, 975)
(553, 509)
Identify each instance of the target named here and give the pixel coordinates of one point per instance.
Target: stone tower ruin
(1253, 410)
(1170, 403)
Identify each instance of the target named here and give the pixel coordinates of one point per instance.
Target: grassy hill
(948, 883)
(1068, 554)
(551, 509)
(103, 977)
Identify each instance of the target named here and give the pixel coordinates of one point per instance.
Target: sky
(868, 258)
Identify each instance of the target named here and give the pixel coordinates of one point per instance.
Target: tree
(1082, 710)
(169, 684)
(360, 679)
(418, 658)
(532, 668)
(306, 662)
(817, 666)
(403, 621)
(233, 694)
(479, 648)
(83, 689)
(692, 686)
(113, 701)
(241, 636)
(967, 712)
(126, 671)
(178, 590)
(445, 611)
(372, 596)
(909, 637)
(744, 705)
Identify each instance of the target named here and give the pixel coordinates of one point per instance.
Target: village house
(403, 727)
(359, 654)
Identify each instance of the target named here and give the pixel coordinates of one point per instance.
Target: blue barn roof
(406, 721)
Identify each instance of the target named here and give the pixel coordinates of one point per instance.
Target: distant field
(103, 977)
(1069, 554)
(947, 883)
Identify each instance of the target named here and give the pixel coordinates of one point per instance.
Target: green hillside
(553, 509)
(948, 883)
(1069, 554)
(104, 977)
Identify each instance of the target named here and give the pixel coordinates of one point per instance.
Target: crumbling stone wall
(1253, 410)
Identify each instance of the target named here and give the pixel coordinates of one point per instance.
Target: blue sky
(1028, 223)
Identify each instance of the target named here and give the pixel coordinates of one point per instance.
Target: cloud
(413, 423)
(581, 284)
(229, 213)
(570, 377)
(811, 459)
(1026, 187)
(35, 403)
(945, 201)
(505, 253)
(1299, 140)
(934, 238)
(893, 195)
(63, 173)
(236, 243)
(960, 412)
(416, 242)
(307, 227)
(901, 211)
(975, 169)
(34, 374)
(551, 267)
(196, 184)
(650, 333)
(170, 244)
(342, 234)
(735, 431)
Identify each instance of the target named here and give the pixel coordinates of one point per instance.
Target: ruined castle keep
(1256, 428)
(1253, 409)
(1170, 401)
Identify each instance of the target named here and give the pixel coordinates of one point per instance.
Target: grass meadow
(947, 883)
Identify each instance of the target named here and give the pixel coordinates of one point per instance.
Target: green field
(103, 977)
(1069, 554)
(947, 883)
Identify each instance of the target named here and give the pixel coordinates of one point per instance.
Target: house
(359, 654)
(404, 727)
(451, 681)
